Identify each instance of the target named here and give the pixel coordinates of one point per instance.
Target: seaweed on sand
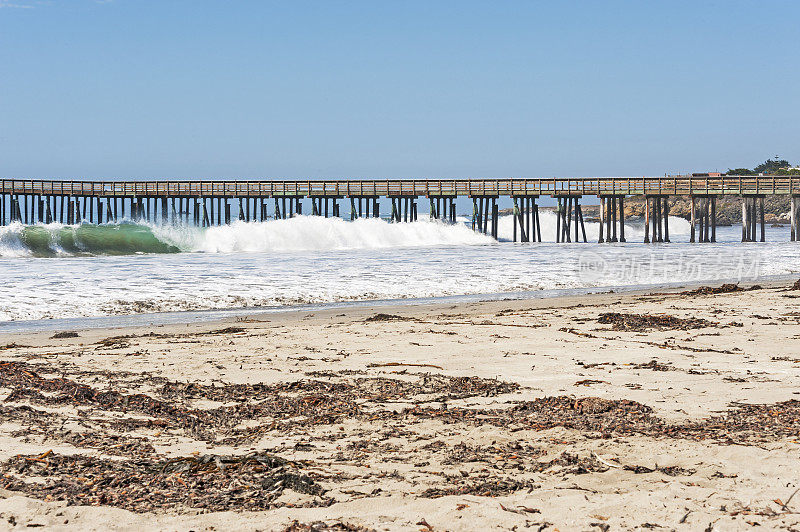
(646, 322)
(211, 482)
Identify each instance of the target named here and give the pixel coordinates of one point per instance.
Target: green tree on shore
(770, 167)
(739, 171)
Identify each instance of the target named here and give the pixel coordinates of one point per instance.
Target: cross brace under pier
(569, 217)
(526, 218)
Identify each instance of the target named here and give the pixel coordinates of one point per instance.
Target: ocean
(67, 272)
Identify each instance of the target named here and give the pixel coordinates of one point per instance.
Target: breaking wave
(53, 240)
(302, 233)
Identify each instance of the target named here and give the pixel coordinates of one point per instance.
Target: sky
(150, 89)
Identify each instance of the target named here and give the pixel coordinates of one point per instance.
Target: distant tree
(739, 171)
(787, 171)
(770, 166)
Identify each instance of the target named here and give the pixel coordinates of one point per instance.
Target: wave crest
(301, 233)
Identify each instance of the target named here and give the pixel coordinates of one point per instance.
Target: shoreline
(228, 315)
(658, 408)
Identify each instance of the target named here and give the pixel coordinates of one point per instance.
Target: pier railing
(666, 185)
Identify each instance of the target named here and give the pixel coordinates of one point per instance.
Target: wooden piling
(654, 217)
(613, 219)
(528, 202)
(558, 220)
(566, 223)
(515, 218)
(660, 218)
(486, 208)
(566, 220)
(703, 220)
(745, 223)
(495, 218)
(474, 212)
(713, 216)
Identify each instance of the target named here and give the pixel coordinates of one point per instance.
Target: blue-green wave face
(85, 239)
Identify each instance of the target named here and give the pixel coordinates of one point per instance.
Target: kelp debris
(646, 322)
(212, 483)
(725, 288)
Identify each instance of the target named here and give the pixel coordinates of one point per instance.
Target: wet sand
(640, 410)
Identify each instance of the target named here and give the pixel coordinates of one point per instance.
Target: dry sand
(494, 415)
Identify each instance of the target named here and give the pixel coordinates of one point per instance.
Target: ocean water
(55, 271)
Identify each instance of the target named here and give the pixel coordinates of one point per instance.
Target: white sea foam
(313, 233)
(301, 233)
(547, 219)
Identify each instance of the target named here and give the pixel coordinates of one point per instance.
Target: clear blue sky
(200, 88)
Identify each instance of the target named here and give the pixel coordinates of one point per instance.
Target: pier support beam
(569, 218)
(526, 219)
(794, 218)
(612, 218)
(752, 217)
(404, 209)
(364, 207)
(287, 206)
(703, 219)
(443, 208)
(485, 214)
(656, 218)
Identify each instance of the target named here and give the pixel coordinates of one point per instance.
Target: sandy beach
(669, 410)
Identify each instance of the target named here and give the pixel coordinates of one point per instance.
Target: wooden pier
(207, 203)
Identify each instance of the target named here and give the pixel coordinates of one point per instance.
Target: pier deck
(589, 186)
